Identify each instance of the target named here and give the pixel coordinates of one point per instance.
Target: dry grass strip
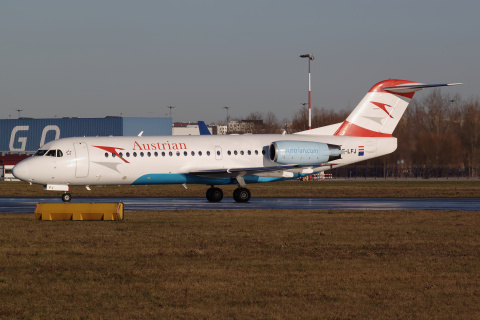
(243, 264)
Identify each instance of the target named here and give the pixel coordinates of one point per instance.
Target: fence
(410, 172)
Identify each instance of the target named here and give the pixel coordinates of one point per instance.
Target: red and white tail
(380, 110)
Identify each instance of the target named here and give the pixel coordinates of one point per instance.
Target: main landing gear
(214, 194)
(239, 194)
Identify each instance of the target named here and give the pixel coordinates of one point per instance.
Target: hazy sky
(98, 58)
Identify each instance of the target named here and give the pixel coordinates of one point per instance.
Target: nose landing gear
(66, 197)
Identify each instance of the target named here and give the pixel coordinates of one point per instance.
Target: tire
(241, 195)
(214, 194)
(66, 197)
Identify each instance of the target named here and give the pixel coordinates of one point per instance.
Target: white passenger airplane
(224, 159)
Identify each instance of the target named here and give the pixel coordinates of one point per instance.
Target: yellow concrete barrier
(79, 211)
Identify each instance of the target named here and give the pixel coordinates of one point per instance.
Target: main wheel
(66, 197)
(214, 194)
(241, 195)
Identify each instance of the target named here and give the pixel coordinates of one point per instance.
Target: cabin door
(81, 159)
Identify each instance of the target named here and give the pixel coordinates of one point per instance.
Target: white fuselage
(172, 159)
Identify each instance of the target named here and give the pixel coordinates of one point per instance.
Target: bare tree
(470, 133)
(320, 118)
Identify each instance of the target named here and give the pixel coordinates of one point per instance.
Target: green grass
(338, 188)
(243, 264)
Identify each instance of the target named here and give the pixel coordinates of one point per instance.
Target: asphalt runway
(27, 205)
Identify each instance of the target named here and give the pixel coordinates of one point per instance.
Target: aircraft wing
(233, 172)
(274, 171)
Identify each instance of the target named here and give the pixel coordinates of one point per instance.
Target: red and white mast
(310, 58)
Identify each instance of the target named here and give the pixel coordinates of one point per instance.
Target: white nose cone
(21, 171)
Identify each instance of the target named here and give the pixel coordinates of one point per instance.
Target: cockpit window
(40, 152)
(51, 153)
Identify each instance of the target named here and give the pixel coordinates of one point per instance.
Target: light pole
(310, 58)
(171, 110)
(19, 111)
(228, 116)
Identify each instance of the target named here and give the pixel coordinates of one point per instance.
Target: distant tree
(470, 134)
(259, 123)
(320, 117)
(271, 123)
(299, 121)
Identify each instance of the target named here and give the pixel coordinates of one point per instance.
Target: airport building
(27, 135)
(192, 129)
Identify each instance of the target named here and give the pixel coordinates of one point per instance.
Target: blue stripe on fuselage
(179, 178)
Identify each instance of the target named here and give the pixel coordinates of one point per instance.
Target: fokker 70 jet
(215, 160)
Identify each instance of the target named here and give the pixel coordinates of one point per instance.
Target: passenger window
(193, 153)
(235, 152)
(170, 153)
(229, 152)
(128, 154)
(135, 154)
(256, 152)
(185, 153)
(178, 153)
(149, 154)
(121, 155)
(106, 154)
(249, 152)
(200, 153)
(208, 153)
(141, 154)
(156, 154)
(163, 154)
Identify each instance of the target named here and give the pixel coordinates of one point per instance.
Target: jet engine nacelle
(303, 152)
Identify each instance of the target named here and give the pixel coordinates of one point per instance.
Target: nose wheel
(66, 197)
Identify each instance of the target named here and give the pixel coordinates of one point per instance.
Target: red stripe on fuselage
(112, 150)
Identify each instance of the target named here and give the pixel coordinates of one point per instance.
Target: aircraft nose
(21, 171)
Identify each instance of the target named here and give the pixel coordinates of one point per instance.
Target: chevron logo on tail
(383, 107)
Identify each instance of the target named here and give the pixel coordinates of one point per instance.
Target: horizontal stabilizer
(416, 87)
